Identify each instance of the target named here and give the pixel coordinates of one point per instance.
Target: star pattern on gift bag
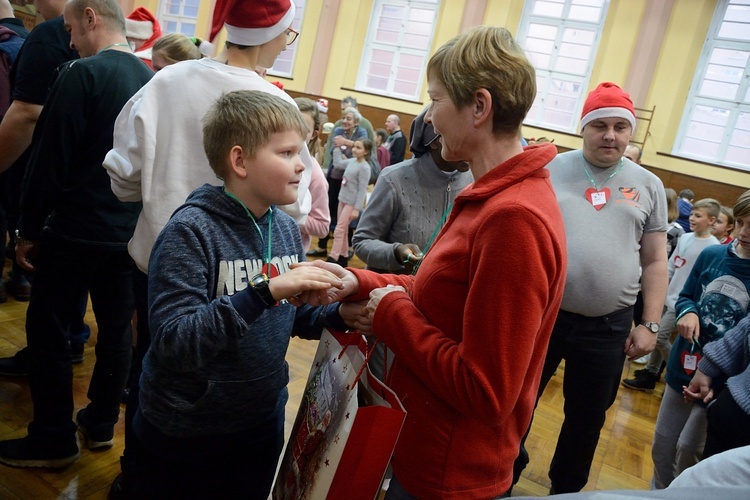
(336, 438)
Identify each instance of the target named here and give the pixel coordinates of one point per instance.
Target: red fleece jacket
(471, 335)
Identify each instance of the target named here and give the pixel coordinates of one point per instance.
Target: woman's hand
(377, 295)
(348, 285)
(355, 214)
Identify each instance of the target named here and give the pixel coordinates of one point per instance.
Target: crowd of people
(181, 193)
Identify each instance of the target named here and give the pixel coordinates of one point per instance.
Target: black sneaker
(16, 365)
(643, 380)
(76, 353)
(97, 435)
(317, 252)
(39, 452)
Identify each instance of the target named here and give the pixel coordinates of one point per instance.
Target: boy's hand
(348, 284)
(699, 388)
(355, 316)
(302, 279)
(689, 326)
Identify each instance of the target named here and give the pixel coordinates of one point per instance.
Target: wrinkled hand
(699, 388)
(339, 141)
(377, 295)
(640, 342)
(349, 285)
(689, 327)
(25, 254)
(355, 315)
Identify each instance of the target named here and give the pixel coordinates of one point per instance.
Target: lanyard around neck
(267, 258)
(591, 179)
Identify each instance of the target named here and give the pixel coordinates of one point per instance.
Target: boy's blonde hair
(711, 206)
(487, 57)
(742, 207)
(246, 118)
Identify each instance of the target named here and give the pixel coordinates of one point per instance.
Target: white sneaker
(642, 360)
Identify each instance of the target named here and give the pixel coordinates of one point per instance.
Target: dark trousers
(241, 465)
(143, 341)
(593, 350)
(728, 425)
(65, 273)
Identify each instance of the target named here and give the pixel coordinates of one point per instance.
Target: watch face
(654, 327)
(258, 279)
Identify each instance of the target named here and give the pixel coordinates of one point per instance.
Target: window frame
(734, 105)
(291, 50)
(398, 49)
(547, 76)
(165, 17)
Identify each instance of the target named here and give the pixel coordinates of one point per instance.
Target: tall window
(561, 38)
(284, 64)
(715, 125)
(397, 48)
(178, 16)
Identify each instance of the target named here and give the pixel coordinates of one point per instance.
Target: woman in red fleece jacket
(470, 329)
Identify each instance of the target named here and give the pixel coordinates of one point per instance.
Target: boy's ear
(237, 160)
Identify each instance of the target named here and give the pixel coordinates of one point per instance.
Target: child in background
(714, 299)
(319, 218)
(175, 47)
(213, 389)
(688, 249)
(675, 229)
(352, 195)
(384, 156)
(724, 225)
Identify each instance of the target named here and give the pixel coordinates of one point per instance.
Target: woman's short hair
(354, 112)
(487, 57)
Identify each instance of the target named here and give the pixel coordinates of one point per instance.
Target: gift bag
(346, 427)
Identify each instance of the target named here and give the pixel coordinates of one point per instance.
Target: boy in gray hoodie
(222, 308)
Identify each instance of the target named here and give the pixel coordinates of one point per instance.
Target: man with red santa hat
(142, 30)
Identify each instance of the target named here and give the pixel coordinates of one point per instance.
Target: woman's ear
(482, 107)
(237, 160)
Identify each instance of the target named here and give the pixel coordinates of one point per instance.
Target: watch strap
(259, 284)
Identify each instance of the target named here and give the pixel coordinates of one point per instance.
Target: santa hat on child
(608, 100)
(251, 22)
(142, 25)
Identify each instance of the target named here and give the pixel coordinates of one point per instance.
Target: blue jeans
(593, 350)
(66, 272)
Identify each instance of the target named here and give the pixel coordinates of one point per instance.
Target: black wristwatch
(654, 327)
(260, 285)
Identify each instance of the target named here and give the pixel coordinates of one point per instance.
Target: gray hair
(357, 115)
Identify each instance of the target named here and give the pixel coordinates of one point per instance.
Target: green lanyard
(267, 258)
(593, 182)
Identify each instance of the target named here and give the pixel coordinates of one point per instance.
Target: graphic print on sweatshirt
(234, 275)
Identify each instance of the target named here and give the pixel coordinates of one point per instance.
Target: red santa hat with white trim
(608, 100)
(141, 24)
(251, 22)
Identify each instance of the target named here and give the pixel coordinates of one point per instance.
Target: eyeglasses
(291, 36)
